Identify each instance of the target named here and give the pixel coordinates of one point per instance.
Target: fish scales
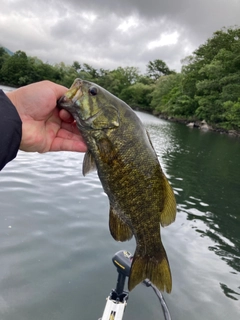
(139, 194)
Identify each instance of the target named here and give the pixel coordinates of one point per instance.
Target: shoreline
(191, 123)
(201, 125)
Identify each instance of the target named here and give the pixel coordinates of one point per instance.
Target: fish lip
(64, 103)
(69, 99)
(71, 106)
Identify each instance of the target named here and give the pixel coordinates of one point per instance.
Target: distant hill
(7, 50)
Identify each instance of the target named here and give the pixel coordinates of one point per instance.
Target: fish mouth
(69, 101)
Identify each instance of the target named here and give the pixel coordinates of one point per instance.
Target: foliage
(165, 94)
(3, 56)
(211, 78)
(208, 86)
(232, 115)
(138, 95)
(16, 70)
(158, 68)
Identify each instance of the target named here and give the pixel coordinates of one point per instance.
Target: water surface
(56, 249)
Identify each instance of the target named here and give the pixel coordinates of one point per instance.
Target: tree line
(208, 86)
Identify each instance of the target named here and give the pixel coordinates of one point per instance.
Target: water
(6, 88)
(56, 250)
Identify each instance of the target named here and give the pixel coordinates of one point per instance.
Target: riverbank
(193, 123)
(201, 125)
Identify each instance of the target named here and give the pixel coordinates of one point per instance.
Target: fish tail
(155, 268)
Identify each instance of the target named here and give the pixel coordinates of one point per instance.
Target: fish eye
(93, 91)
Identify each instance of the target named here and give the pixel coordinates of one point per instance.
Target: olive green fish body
(139, 194)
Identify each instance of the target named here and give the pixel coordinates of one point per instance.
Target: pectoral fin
(89, 164)
(119, 230)
(168, 213)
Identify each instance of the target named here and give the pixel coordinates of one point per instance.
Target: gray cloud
(108, 33)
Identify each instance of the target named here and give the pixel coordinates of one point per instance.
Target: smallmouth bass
(140, 196)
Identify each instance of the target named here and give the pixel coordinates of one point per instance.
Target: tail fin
(155, 268)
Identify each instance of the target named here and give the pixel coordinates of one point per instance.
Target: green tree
(65, 74)
(221, 39)
(118, 79)
(157, 68)
(44, 71)
(3, 56)
(87, 72)
(211, 75)
(76, 65)
(16, 70)
(167, 94)
(231, 115)
(138, 95)
(221, 83)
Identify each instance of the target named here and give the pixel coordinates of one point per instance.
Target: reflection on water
(210, 197)
(204, 171)
(56, 249)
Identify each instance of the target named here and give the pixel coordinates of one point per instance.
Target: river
(56, 249)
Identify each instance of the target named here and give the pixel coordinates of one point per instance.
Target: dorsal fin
(168, 213)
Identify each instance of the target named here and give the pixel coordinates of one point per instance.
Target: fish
(140, 196)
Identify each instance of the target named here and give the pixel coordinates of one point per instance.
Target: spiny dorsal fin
(168, 213)
(89, 163)
(119, 230)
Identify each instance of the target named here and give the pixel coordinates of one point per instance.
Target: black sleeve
(10, 130)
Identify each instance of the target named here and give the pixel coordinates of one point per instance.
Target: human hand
(44, 126)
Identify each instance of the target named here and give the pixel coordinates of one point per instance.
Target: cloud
(108, 33)
(165, 39)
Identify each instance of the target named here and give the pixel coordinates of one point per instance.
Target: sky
(108, 34)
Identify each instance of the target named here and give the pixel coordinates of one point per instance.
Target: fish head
(91, 106)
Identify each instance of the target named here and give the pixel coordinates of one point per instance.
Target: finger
(71, 127)
(61, 144)
(65, 116)
(66, 134)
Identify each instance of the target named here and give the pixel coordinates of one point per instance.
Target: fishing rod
(117, 300)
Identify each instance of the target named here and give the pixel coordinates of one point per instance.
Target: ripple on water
(58, 250)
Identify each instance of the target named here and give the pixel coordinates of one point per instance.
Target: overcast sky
(108, 33)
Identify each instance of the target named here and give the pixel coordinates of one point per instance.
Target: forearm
(10, 130)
